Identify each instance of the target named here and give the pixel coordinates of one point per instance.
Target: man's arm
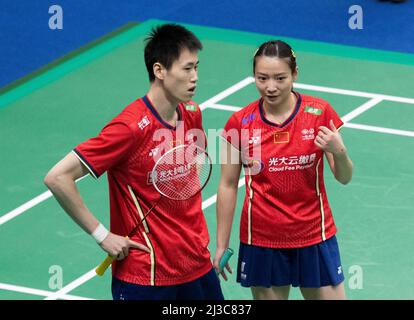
(61, 182)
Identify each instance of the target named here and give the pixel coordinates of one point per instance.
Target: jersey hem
(284, 245)
(163, 282)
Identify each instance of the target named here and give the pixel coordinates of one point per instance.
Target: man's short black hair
(164, 45)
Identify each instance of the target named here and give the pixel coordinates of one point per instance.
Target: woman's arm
(226, 199)
(330, 141)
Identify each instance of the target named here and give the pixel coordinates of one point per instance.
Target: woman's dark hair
(278, 49)
(164, 45)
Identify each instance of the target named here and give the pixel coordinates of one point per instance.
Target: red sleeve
(199, 118)
(200, 126)
(330, 114)
(195, 132)
(231, 132)
(109, 148)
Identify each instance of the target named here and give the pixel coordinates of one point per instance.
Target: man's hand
(118, 247)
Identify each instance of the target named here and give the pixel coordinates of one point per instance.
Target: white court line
(74, 284)
(361, 109)
(29, 204)
(351, 115)
(37, 292)
(224, 94)
(353, 93)
(224, 107)
(24, 207)
(379, 129)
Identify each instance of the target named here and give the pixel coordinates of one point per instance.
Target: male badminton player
(166, 256)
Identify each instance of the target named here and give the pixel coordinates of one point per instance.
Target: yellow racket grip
(100, 270)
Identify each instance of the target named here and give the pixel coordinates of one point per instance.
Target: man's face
(181, 79)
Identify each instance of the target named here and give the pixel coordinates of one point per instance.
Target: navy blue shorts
(206, 287)
(309, 267)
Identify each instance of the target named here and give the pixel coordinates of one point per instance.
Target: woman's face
(274, 79)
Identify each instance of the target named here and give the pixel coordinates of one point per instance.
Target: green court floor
(42, 119)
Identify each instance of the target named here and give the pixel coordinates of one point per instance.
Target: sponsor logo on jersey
(143, 123)
(312, 110)
(248, 119)
(280, 137)
(190, 107)
(308, 134)
(290, 163)
(254, 140)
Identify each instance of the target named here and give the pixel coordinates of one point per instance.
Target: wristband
(100, 233)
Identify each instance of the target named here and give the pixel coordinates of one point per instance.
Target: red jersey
(286, 204)
(175, 231)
